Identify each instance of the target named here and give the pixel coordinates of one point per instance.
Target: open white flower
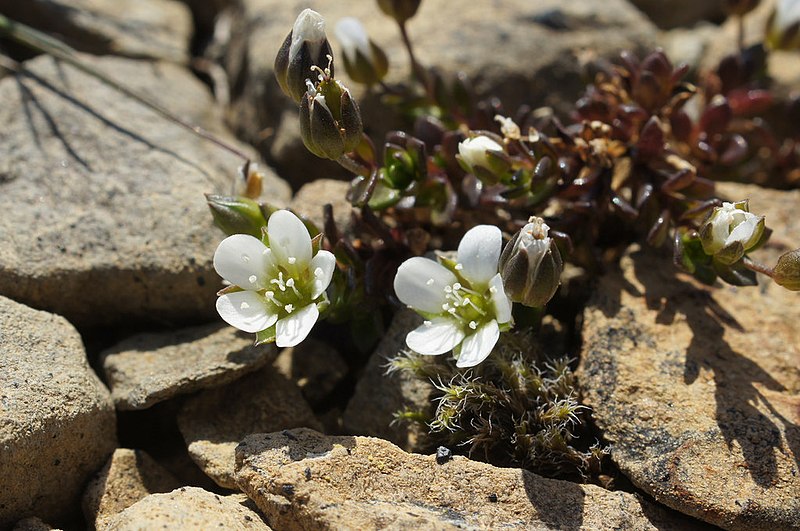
(277, 288)
(463, 302)
(730, 231)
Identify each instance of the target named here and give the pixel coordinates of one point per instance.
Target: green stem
(353, 167)
(416, 69)
(43, 43)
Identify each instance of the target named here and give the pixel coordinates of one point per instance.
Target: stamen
(456, 286)
(318, 272)
(270, 295)
(290, 284)
(252, 279)
(459, 267)
(477, 309)
(289, 308)
(427, 323)
(292, 260)
(473, 325)
(493, 290)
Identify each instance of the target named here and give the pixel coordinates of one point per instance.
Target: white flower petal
(244, 261)
(502, 306)
(295, 327)
(473, 150)
(435, 337)
(289, 239)
(476, 347)
(308, 26)
(744, 230)
(353, 38)
(245, 310)
(420, 283)
(478, 253)
(322, 267)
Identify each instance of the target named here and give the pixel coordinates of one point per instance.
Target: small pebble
(443, 455)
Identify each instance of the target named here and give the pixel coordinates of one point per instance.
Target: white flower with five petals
(277, 287)
(464, 303)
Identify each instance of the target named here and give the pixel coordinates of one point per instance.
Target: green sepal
(228, 289)
(735, 274)
(266, 336)
(730, 254)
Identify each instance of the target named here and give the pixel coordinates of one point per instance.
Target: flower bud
(731, 230)
(364, 61)
(787, 271)
(783, 26)
(236, 215)
(484, 158)
(330, 122)
(306, 46)
(531, 265)
(400, 10)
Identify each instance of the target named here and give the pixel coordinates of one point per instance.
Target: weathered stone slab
(316, 367)
(302, 479)
(379, 396)
(57, 422)
(128, 476)
(159, 29)
(101, 200)
(189, 508)
(149, 368)
(213, 422)
(698, 389)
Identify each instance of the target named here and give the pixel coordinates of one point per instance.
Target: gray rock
(315, 366)
(32, 523)
(310, 200)
(189, 508)
(57, 422)
(301, 479)
(128, 476)
(159, 29)
(696, 389)
(521, 51)
(114, 225)
(379, 396)
(214, 421)
(149, 368)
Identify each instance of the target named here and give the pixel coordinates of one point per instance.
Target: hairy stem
(42, 42)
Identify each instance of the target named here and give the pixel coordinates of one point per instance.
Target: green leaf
(735, 274)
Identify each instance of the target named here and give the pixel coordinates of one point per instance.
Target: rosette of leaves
(518, 408)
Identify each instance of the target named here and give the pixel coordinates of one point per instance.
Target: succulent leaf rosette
(463, 302)
(277, 285)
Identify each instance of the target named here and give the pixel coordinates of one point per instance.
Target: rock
(114, 225)
(213, 422)
(379, 396)
(189, 508)
(57, 423)
(315, 367)
(128, 476)
(159, 29)
(697, 388)
(680, 12)
(311, 199)
(149, 368)
(301, 479)
(32, 524)
(543, 46)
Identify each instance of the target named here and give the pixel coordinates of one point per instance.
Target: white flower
(730, 231)
(473, 151)
(276, 287)
(465, 306)
(353, 38)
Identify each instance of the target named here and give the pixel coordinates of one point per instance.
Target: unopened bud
(531, 265)
(364, 61)
(330, 122)
(236, 215)
(484, 158)
(400, 10)
(730, 231)
(306, 46)
(787, 271)
(783, 26)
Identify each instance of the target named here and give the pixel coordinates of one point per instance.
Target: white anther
(459, 267)
(427, 323)
(290, 283)
(252, 279)
(473, 325)
(429, 282)
(448, 289)
(451, 311)
(291, 260)
(493, 290)
(318, 272)
(244, 306)
(456, 286)
(446, 307)
(289, 308)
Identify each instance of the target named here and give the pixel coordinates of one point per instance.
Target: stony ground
(126, 404)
